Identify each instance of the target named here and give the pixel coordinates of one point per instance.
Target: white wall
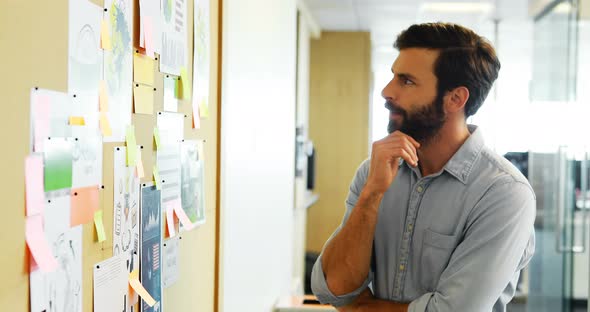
(257, 153)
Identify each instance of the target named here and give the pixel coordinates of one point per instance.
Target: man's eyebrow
(405, 75)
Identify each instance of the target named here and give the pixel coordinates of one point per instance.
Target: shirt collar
(460, 165)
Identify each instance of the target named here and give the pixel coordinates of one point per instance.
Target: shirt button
(401, 267)
(420, 189)
(409, 227)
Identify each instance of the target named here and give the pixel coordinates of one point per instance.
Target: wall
(33, 47)
(338, 124)
(258, 148)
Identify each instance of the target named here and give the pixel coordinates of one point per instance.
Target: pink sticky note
(184, 219)
(84, 203)
(170, 220)
(41, 110)
(148, 27)
(35, 194)
(38, 244)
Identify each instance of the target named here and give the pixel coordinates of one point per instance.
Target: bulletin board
(34, 53)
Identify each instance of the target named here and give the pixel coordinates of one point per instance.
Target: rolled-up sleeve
(319, 285)
(323, 293)
(497, 243)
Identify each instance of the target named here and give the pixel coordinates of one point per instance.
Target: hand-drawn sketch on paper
(87, 161)
(118, 66)
(85, 55)
(151, 246)
(193, 180)
(60, 290)
(126, 212)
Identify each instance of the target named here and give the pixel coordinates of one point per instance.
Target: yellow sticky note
(143, 99)
(139, 168)
(157, 178)
(99, 226)
(157, 137)
(204, 108)
(105, 125)
(139, 289)
(103, 98)
(76, 121)
(186, 91)
(178, 88)
(143, 69)
(105, 36)
(131, 146)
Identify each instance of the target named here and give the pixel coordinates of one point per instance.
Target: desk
(295, 304)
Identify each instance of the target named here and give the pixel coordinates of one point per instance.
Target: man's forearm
(347, 258)
(366, 302)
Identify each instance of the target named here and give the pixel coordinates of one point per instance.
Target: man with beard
(434, 221)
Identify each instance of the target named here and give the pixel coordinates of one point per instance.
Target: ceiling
(384, 19)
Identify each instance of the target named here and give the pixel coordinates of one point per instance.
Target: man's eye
(408, 81)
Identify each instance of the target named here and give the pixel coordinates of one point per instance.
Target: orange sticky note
(38, 245)
(170, 220)
(157, 180)
(148, 36)
(84, 203)
(35, 194)
(76, 121)
(143, 99)
(139, 289)
(99, 226)
(139, 172)
(105, 36)
(103, 98)
(184, 219)
(105, 125)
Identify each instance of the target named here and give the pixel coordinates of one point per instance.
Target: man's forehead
(415, 61)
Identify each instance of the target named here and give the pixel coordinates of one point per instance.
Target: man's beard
(422, 125)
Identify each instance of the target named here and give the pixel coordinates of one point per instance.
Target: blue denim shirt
(454, 241)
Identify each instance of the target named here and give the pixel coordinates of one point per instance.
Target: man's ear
(456, 99)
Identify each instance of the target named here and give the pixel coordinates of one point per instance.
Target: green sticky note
(186, 91)
(99, 226)
(157, 137)
(157, 178)
(57, 156)
(131, 146)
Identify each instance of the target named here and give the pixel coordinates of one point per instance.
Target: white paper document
(60, 290)
(111, 285)
(171, 261)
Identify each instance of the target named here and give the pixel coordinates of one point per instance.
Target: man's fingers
(408, 147)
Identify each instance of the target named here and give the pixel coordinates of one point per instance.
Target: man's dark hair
(465, 59)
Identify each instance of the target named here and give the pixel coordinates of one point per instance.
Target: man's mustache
(394, 108)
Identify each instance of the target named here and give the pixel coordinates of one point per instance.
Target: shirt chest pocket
(436, 253)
